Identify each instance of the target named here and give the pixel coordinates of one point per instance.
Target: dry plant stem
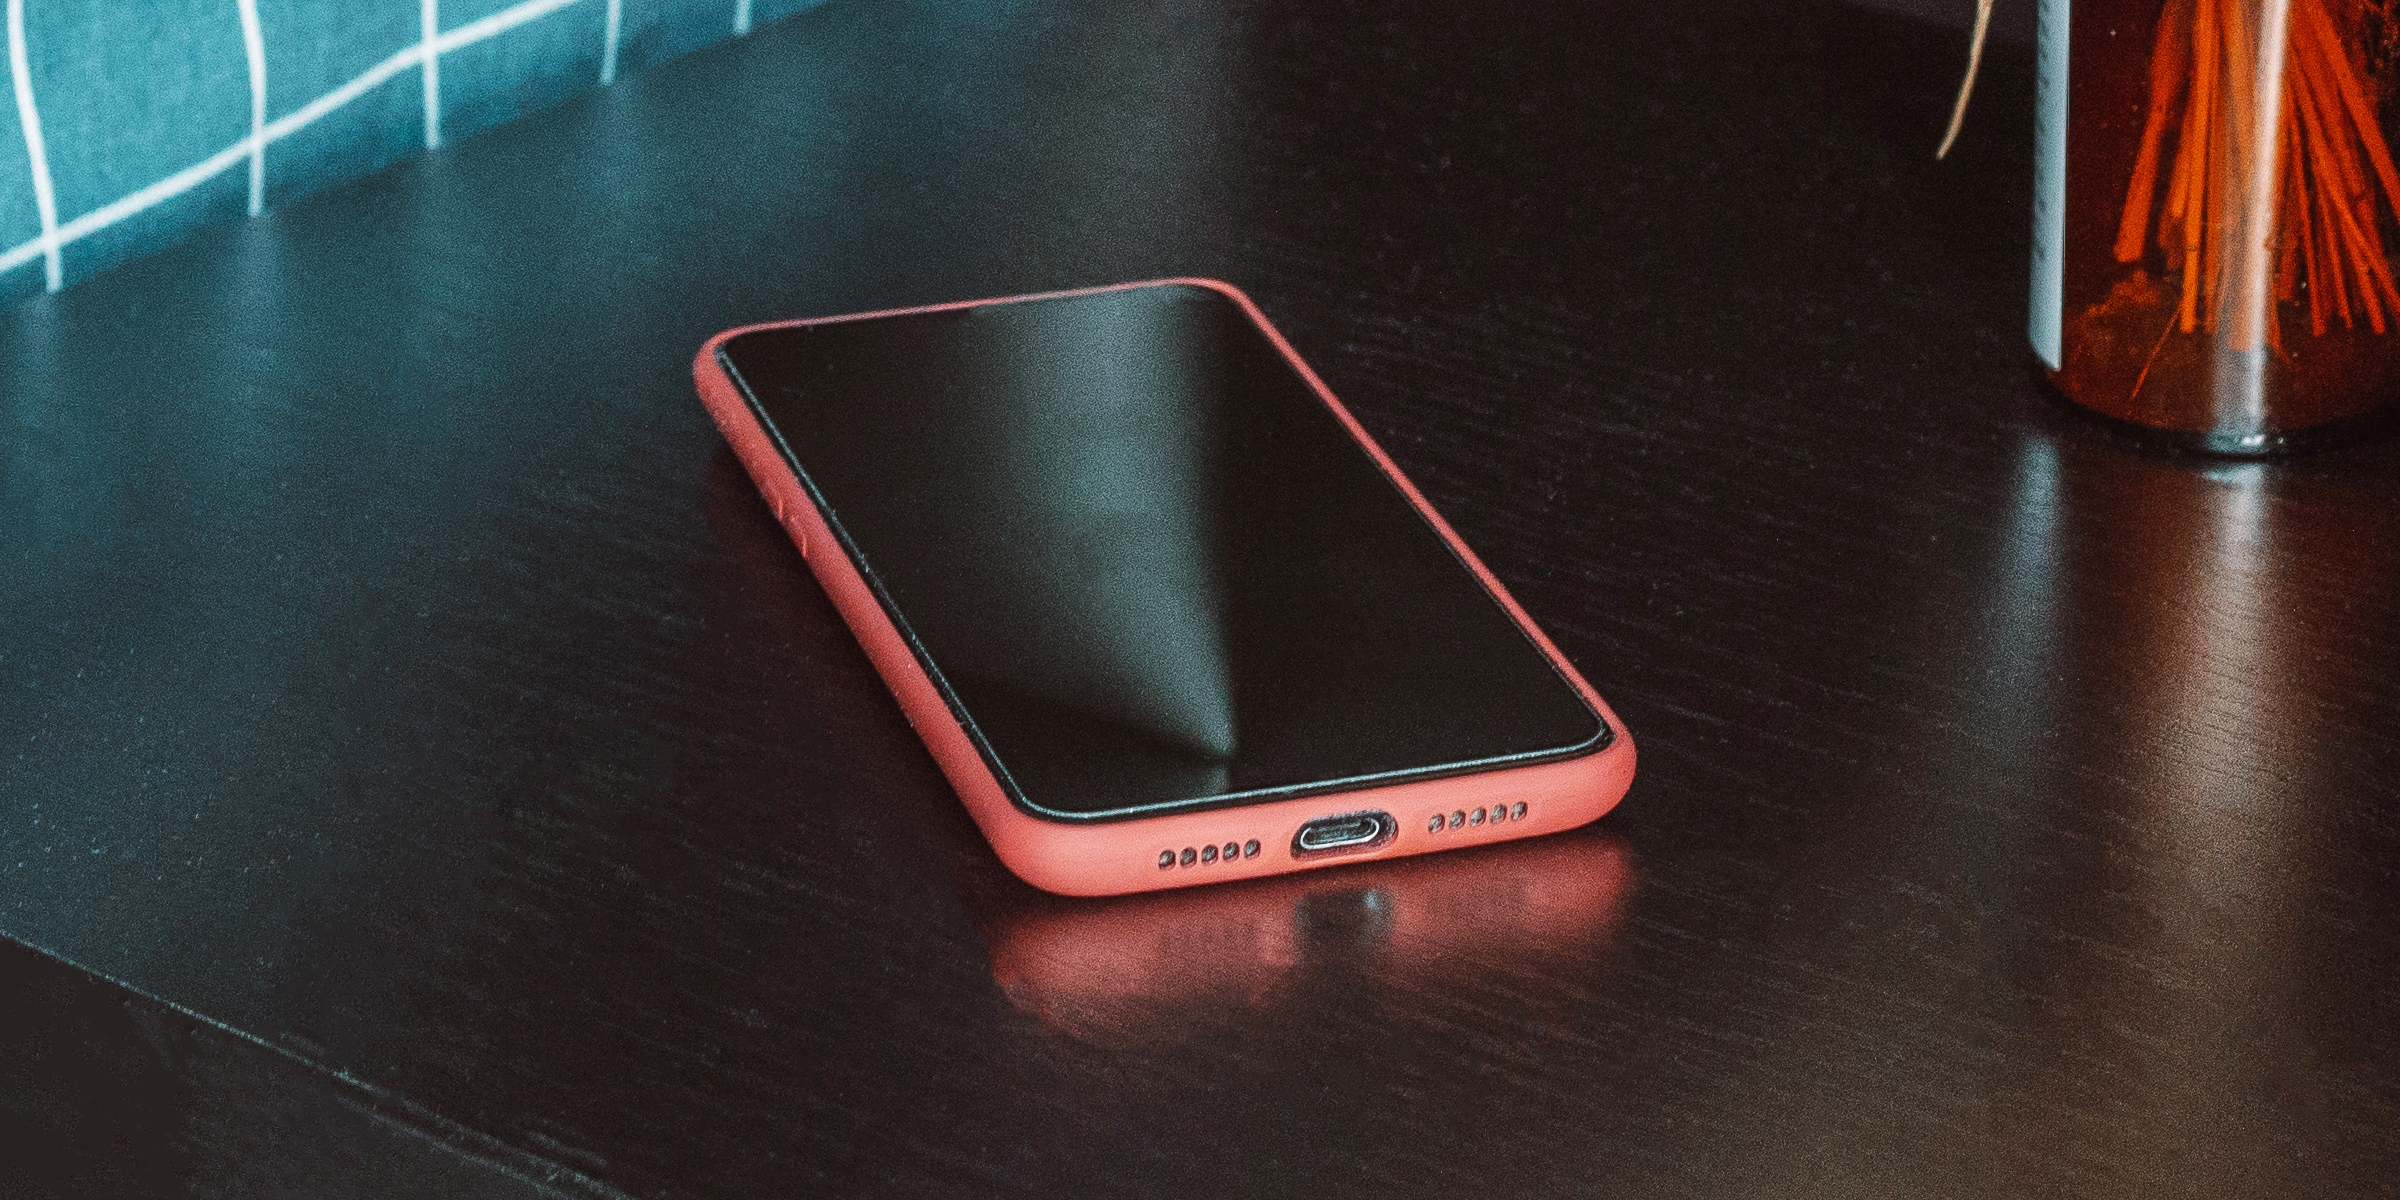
(2334, 63)
(2301, 254)
(2191, 165)
(2151, 361)
(2361, 246)
(1966, 87)
(2326, 285)
(2288, 197)
(2280, 173)
(2341, 180)
(2221, 139)
(2217, 170)
(2170, 66)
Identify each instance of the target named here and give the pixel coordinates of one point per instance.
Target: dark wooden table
(424, 769)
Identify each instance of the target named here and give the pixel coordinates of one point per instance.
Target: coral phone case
(1110, 854)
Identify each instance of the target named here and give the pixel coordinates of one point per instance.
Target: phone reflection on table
(1140, 970)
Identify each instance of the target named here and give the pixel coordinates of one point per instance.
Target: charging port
(1348, 833)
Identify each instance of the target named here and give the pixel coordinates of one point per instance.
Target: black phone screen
(1150, 569)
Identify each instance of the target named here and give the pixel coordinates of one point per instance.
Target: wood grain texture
(396, 667)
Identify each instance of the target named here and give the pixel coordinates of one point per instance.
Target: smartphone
(1161, 610)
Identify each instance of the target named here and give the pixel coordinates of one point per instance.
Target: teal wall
(138, 121)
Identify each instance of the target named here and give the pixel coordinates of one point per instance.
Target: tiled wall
(139, 120)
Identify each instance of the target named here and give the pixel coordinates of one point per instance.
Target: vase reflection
(2210, 625)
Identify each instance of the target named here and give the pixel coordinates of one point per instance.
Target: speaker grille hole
(1468, 817)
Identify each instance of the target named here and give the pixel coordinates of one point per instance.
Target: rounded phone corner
(1061, 869)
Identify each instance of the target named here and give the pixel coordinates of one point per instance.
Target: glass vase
(2215, 212)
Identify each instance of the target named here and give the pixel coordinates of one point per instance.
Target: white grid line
(427, 52)
(37, 159)
(254, 47)
(741, 17)
(608, 57)
(307, 114)
(499, 22)
(429, 23)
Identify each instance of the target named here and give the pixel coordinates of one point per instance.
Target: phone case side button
(782, 499)
(765, 464)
